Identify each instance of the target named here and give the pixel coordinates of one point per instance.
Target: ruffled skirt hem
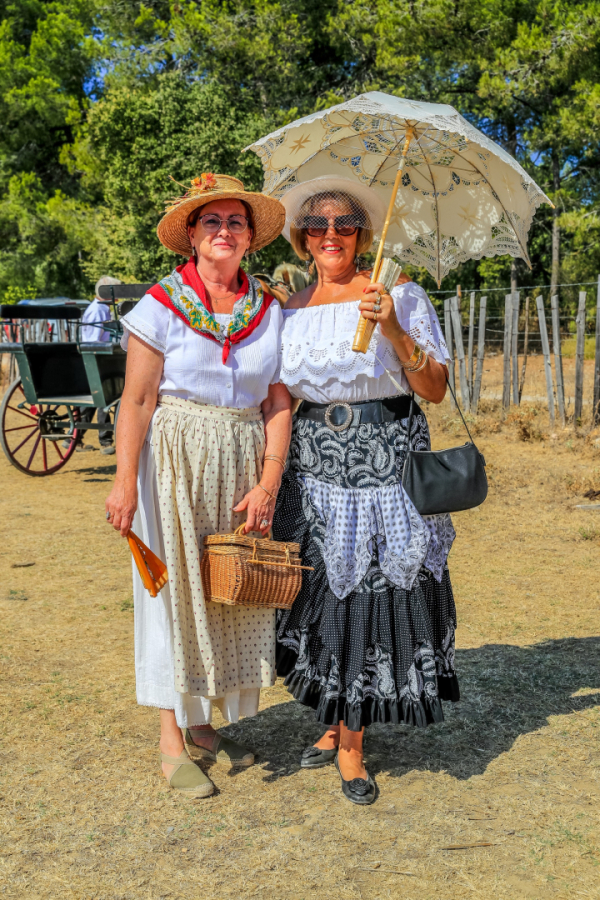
(333, 710)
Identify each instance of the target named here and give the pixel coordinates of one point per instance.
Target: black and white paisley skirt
(370, 637)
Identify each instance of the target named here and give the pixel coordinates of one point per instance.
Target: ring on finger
(109, 515)
(264, 523)
(374, 315)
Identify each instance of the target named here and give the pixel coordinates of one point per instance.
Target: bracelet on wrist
(272, 496)
(276, 458)
(420, 364)
(415, 359)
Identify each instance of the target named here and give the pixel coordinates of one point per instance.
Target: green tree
(47, 55)
(134, 142)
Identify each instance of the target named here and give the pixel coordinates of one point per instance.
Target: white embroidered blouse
(193, 367)
(319, 364)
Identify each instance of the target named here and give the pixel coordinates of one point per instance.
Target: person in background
(92, 331)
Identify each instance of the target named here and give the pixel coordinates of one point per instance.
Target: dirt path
(515, 768)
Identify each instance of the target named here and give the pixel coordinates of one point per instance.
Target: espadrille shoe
(225, 753)
(187, 777)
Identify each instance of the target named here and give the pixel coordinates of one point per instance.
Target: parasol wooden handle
(366, 327)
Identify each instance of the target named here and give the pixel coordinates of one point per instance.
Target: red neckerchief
(203, 324)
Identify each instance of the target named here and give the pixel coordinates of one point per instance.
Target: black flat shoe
(315, 758)
(358, 790)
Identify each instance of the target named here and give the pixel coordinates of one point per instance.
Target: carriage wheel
(22, 426)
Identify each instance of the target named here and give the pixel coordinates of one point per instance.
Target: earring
(357, 262)
(247, 254)
(194, 251)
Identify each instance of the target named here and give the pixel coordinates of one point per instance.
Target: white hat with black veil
(357, 205)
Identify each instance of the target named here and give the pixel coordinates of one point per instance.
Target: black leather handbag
(444, 481)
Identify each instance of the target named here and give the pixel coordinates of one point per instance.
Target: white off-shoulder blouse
(319, 364)
(193, 367)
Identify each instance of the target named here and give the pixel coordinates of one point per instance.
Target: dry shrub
(527, 424)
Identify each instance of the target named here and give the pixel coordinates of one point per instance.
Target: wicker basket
(247, 571)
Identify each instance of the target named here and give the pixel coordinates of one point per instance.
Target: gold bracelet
(419, 368)
(414, 356)
(272, 496)
(410, 367)
(277, 459)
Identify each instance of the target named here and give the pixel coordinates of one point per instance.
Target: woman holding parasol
(370, 637)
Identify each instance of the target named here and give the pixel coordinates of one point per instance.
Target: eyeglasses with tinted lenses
(317, 226)
(212, 223)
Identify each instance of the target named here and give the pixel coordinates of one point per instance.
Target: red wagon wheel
(22, 426)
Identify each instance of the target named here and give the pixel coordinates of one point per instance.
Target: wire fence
(536, 343)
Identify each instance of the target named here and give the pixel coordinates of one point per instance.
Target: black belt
(340, 415)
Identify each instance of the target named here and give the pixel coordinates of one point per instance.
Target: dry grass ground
(515, 768)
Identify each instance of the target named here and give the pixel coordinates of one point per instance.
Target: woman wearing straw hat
(370, 637)
(203, 433)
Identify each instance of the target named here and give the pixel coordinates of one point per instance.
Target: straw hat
(268, 213)
(294, 198)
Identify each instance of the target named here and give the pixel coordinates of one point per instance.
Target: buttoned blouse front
(193, 364)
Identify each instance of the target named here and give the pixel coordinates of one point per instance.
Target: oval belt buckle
(345, 424)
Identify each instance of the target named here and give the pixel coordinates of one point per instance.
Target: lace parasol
(459, 195)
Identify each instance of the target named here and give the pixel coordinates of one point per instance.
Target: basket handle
(241, 532)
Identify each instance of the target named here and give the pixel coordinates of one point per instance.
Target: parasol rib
(437, 210)
(387, 157)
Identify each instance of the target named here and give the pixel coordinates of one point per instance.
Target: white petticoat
(359, 521)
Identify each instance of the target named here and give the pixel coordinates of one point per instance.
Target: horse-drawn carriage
(40, 414)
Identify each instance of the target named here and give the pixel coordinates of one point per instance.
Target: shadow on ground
(507, 691)
(94, 470)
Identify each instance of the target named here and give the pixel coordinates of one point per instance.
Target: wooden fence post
(460, 353)
(596, 401)
(471, 340)
(525, 347)
(450, 345)
(558, 366)
(507, 345)
(516, 301)
(480, 354)
(579, 357)
(546, 351)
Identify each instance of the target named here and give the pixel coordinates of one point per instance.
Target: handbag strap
(412, 407)
(412, 399)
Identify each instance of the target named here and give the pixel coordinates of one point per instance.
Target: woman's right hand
(121, 505)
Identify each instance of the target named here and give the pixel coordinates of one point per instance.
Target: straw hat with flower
(268, 214)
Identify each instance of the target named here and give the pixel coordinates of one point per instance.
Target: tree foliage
(102, 102)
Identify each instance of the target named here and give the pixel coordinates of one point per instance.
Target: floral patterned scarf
(183, 292)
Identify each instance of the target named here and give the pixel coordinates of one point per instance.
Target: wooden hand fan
(152, 570)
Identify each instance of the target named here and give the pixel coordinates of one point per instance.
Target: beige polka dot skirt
(207, 458)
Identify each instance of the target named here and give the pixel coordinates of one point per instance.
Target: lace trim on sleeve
(418, 318)
(143, 331)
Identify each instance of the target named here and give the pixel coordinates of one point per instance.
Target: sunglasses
(213, 223)
(344, 226)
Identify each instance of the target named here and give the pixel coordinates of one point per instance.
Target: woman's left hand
(260, 510)
(386, 316)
